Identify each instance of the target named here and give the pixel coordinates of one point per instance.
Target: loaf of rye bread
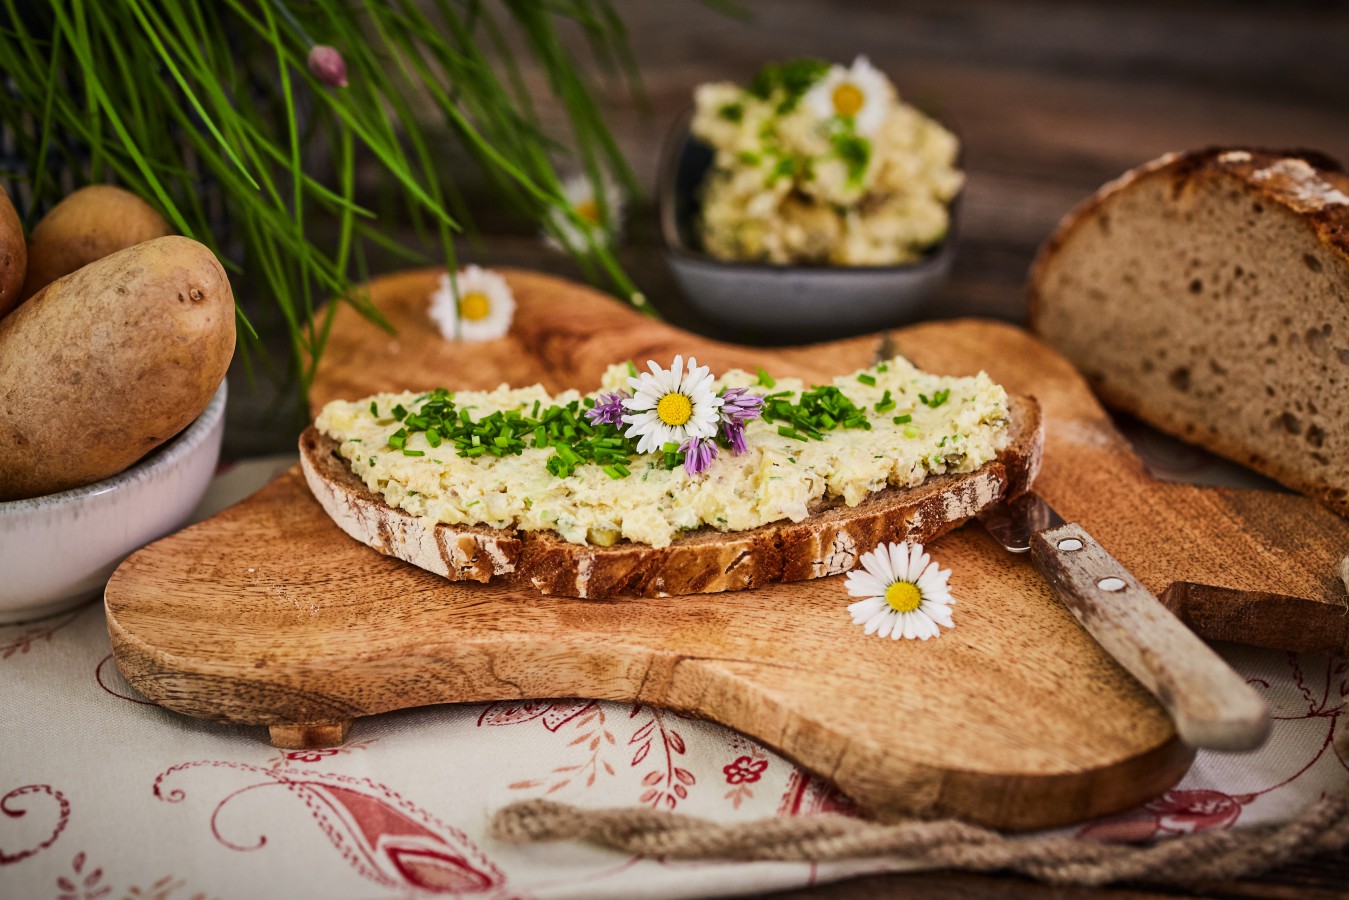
(706, 561)
(1207, 293)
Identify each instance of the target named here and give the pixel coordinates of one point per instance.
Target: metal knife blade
(1212, 706)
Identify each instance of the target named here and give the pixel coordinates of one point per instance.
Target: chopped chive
(766, 380)
(866, 379)
(911, 431)
(414, 452)
(903, 420)
(374, 410)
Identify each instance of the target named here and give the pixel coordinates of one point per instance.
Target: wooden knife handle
(1213, 707)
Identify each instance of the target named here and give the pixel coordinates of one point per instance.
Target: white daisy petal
(889, 625)
(918, 560)
(877, 562)
(899, 558)
(863, 610)
(938, 613)
(864, 584)
(877, 620)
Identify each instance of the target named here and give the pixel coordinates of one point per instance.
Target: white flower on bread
(905, 593)
(482, 310)
(671, 405)
(860, 92)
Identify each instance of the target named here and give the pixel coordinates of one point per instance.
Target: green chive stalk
(274, 104)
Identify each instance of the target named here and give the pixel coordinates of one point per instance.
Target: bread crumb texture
(1208, 294)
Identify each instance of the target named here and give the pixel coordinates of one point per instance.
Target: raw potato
(13, 255)
(109, 362)
(88, 225)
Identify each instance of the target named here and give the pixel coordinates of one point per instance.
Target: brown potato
(13, 255)
(88, 225)
(107, 363)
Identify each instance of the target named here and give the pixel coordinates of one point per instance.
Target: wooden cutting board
(268, 614)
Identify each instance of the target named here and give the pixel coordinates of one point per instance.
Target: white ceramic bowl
(57, 551)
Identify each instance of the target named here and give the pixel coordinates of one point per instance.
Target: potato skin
(87, 225)
(109, 362)
(13, 255)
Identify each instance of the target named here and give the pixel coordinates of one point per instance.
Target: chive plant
(165, 96)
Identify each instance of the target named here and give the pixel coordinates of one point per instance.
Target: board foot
(309, 737)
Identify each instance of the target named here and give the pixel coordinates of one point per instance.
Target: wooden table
(1051, 99)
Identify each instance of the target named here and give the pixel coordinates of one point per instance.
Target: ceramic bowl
(783, 303)
(57, 551)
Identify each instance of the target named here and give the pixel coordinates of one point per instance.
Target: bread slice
(1207, 293)
(701, 562)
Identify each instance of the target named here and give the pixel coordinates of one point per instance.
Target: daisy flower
(906, 593)
(483, 309)
(581, 196)
(671, 405)
(861, 93)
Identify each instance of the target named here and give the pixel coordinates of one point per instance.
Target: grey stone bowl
(783, 303)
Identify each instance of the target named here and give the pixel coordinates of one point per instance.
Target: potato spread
(822, 165)
(920, 425)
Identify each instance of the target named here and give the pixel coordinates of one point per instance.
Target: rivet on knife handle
(1213, 707)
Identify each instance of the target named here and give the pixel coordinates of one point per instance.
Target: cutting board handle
(1212, 706)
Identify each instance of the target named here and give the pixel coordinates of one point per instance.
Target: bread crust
(1258, 171)
(1308, 185)
(701, 562)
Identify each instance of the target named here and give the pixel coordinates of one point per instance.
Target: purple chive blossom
(327, 65)
(698, 454)
(608, 409)
(737, 405)
(737, 408)
(735, 434)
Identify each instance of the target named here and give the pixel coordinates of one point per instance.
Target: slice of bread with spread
(373, 501)
(1207, 293)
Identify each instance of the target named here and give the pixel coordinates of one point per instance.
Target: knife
(1212, 706)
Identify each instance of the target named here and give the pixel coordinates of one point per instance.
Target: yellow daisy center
(674, 409)
(474, 306)
(589, 210)
(848, 99)
(903, 596)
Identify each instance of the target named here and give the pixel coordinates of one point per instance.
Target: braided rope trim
(1323, 827)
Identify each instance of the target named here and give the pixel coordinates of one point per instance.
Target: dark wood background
(1051, 98)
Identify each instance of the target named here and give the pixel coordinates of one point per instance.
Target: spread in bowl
(823, 165)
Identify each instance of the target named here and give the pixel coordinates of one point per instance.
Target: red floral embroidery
(666, 784)
(1173, 813)
(284, 758)
(808, 794)
(383, 836)
(24, 640)
(82, 886)
(309, 755)
(593, 737)
(14, 812)
(112, 682)
(744, 770)
(555, 713)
